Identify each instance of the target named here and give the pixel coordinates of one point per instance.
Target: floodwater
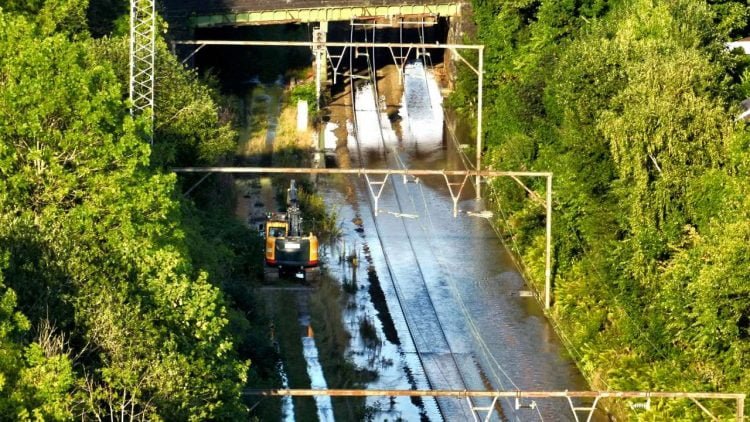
(287, 406)
(441, 292)
(315, 372)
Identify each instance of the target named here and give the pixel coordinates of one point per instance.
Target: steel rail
(360, 171)
(313, 44)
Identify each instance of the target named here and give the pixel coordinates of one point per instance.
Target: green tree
(35, 380)
(96, 243)
(630, 104)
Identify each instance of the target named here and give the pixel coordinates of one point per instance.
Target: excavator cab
(276, 229)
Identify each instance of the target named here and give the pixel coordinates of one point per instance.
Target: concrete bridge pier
(320, 35)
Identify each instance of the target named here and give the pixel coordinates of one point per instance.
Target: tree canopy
(106, 308)
(632, 105)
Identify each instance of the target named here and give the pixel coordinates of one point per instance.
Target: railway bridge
(213, 13)
(191, 19)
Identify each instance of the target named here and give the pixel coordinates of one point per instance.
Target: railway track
(435, 354)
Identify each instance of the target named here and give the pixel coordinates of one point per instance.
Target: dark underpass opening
(237, 66)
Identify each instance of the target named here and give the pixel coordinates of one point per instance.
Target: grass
(319, 218)
(287, 135)
(262, 104)
(368, 332)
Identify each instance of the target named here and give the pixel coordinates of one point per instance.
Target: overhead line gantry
(455, 189)
(323, 44)
(520, 396)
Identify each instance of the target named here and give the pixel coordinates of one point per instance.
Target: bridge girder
(323, 14)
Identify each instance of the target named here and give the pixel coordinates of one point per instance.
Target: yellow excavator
(288, 251)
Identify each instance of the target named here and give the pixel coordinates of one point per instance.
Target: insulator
(519, 405)
(643, 405)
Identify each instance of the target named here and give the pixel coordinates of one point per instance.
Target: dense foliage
(116, 298)
(632, 105)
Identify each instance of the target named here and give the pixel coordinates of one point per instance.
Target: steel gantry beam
(359, 171)
(142, 57)
(737, 398)
(313, 44)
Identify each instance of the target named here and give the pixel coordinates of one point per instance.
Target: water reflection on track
(451, 289)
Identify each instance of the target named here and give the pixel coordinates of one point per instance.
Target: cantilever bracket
(703, 408)
(520, 405)
(466, 62)
(196, 184)
(473, 410)
(400, 62)
(455, 196)
(193, 53)
(376, 196)
(337, 65)
(533, 195)
(590, 410)
(476, 409)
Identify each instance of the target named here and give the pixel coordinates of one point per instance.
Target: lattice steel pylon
(142, 58)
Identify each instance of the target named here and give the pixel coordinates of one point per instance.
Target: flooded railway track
(449, 288)
(432, 352)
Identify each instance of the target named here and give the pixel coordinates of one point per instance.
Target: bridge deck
(205, 13)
